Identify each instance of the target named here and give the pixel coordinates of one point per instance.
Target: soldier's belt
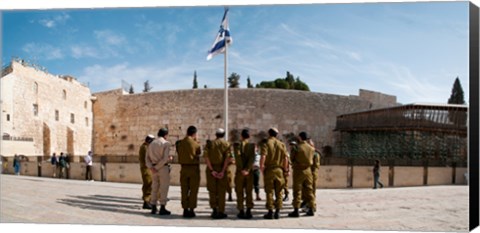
(300, 166)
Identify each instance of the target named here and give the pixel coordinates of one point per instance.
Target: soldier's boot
(191, 213)
(163, 211)
(286, 197)
(268, 215)
(294, 214)
(248, 215)
(310, 212)
(241, 214)
(186, 213)
(230, 197)
(214, 213)
(276, 215)
(154, 209)
(146, 205)
(221, 215)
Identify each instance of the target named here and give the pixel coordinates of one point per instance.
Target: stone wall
(24, 87)
(123, 120)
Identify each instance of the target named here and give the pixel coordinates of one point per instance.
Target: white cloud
(79, 51)
(42, 51)
(109, 37)
(52, 22)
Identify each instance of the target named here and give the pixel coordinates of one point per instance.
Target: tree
(195, 84)
(130, 91)
(289, 82)
(457, 93)
(234, 80)
(249, 83)
(146, 86)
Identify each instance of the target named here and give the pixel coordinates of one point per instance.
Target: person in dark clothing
(376, 175)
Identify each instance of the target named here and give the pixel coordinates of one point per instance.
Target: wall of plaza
(123, 120)
(330, 176)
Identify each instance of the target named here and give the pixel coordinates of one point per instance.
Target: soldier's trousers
(229, 181)
(274, 184)
(189, 184)
(216, 188)
(302, 184)
(160, 185)
(147, 184)
(244, 187)
(314, 184)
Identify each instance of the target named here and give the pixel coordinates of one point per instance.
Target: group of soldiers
(276, 163)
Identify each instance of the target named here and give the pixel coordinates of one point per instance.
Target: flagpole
(226, 89)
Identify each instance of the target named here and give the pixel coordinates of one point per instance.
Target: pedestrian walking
(88, 164)
(54, 162)
(16, 164)
(376, 175)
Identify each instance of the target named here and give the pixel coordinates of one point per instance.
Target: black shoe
(191, 214)
(381, 185)
(303, 205)
(268, 215)
(214, 213)
(294, 214)
(146, 205)
(310, 212)
(286, 198)
(241, 214)
(154, 209)
(276, 215)
(220, 215)
(230, 197)
(186, 213)
(248, 215)
(163, 211)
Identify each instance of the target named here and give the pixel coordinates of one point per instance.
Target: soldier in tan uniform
(302, 160)
(244, 157)
(273, 164)
(217, 156)
(146, 175)
(158, 159)
(315, 167)
(188, 157)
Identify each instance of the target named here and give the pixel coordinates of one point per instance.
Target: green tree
(249, 83)
(457, 93)
(131, 91)
(289, 82)
(146, 86)
(234, 80)
(195, 83)
(299, 85)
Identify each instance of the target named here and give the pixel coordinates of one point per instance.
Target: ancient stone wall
(123, 120)
(56, 100)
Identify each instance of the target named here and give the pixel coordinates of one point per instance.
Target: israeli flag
(222, 37)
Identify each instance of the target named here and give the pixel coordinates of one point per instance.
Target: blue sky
(411, 50)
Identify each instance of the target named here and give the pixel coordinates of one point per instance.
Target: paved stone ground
(27, 199)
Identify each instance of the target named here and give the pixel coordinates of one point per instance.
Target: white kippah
(220, 131)
(150, 136)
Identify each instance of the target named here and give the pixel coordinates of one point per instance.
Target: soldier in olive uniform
(146, 175)
(244, 157)
(315, 167)
(217, 157)
(273, 164)
(188, 151)
(302, 160)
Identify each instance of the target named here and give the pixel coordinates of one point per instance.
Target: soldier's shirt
(218, 151)
(303, 156)
(187, 150)
(275, 152)
(245, 156)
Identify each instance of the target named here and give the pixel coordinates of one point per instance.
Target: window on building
(35, 87)
(8, 117)
(35, 109)
(64, 94)
(57, 115)
(72, 118)
(86, 121)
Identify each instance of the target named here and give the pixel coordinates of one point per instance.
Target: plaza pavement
(26, 199)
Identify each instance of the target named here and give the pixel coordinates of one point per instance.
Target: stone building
(42, 113)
